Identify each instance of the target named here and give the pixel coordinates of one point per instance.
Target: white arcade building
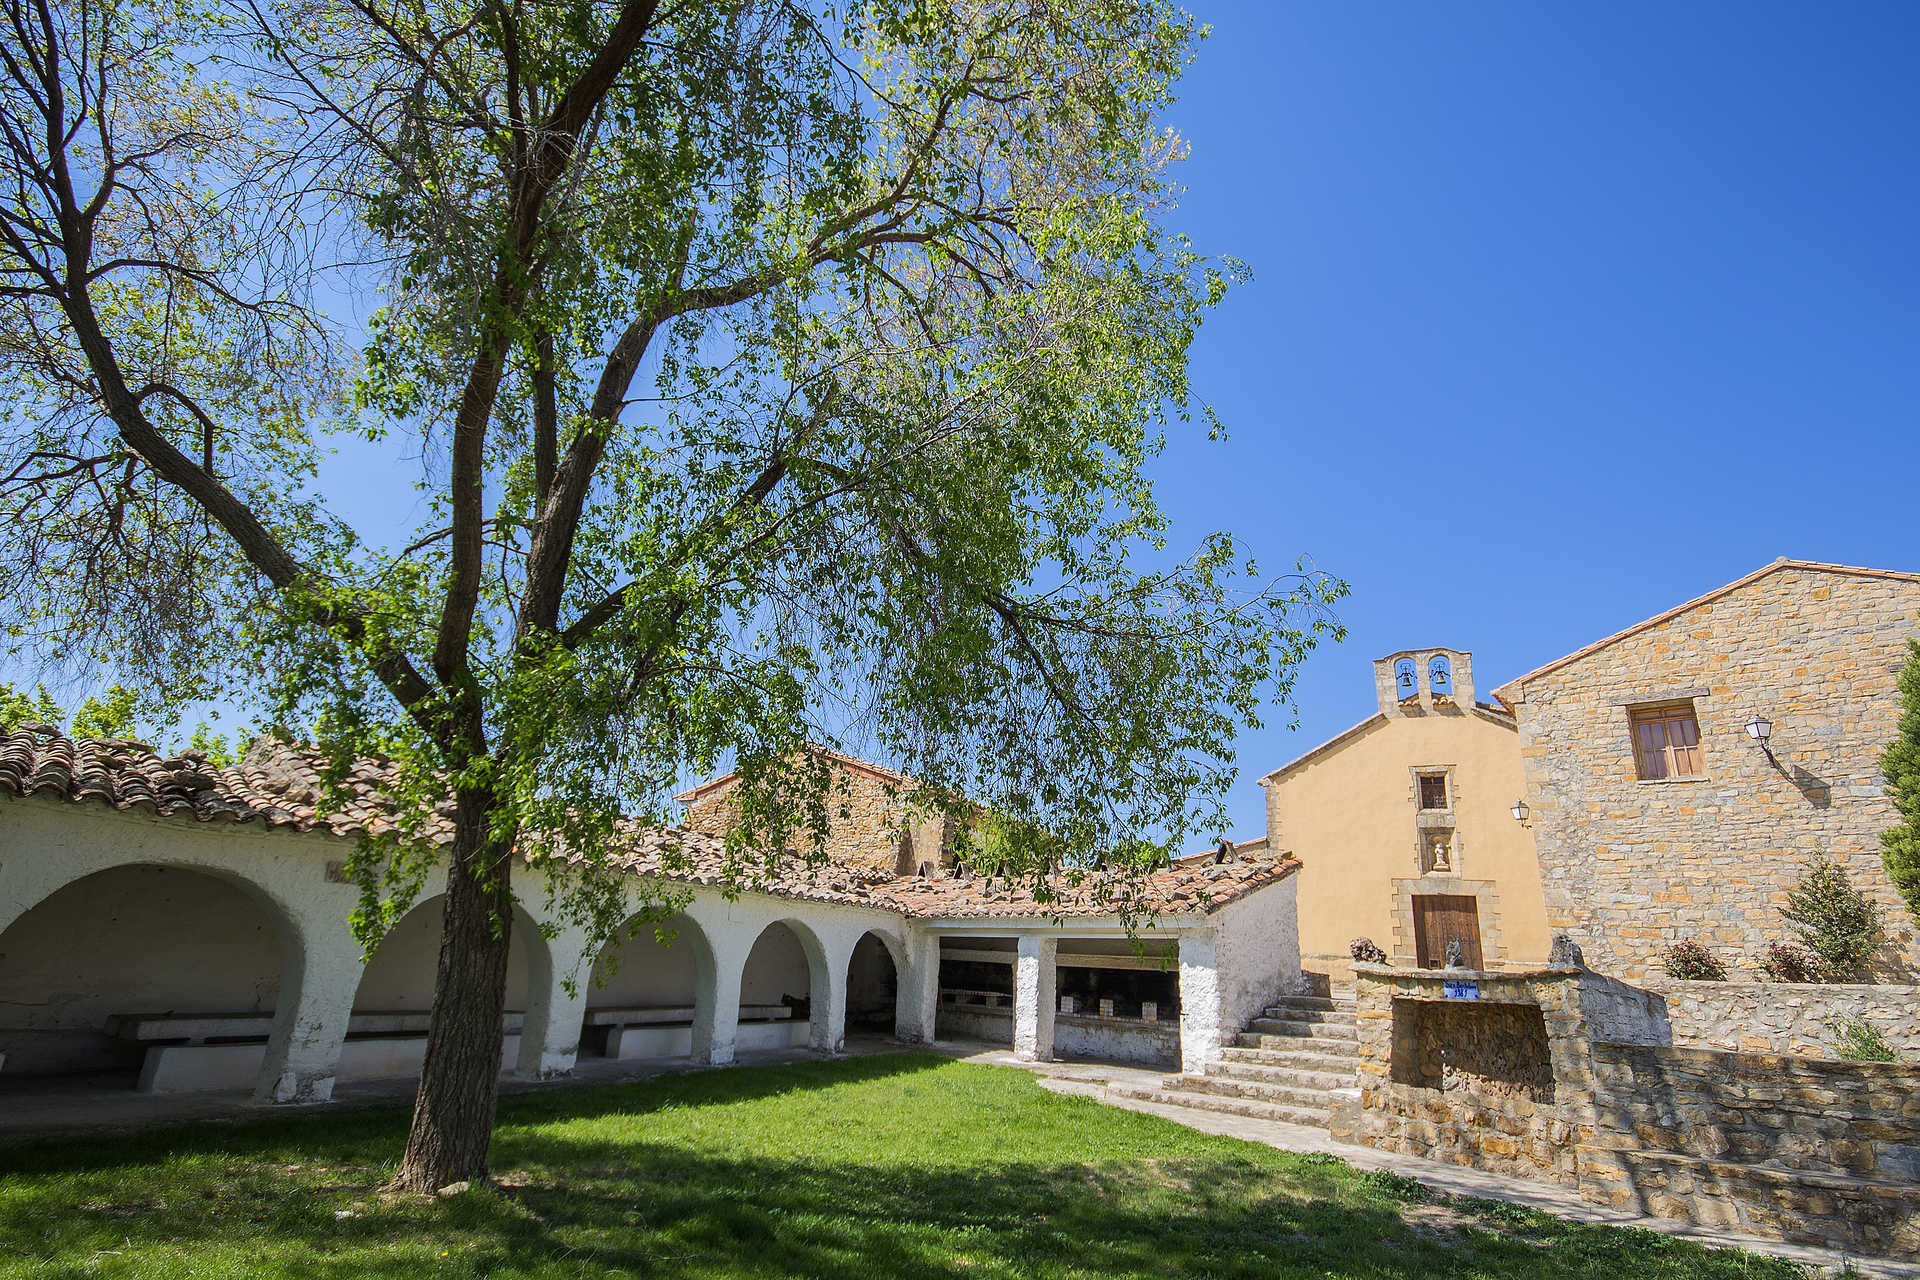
(169, 926)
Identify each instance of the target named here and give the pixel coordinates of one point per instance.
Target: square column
(550, 1032)
(1034, 998)
(716, 1017)
(1200, 1008)
(310, 1022)
(917, 1006)
(827, 1030)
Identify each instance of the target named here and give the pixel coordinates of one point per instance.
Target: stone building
(1404, 826)
(177, 927)
(1659, 816)
(874, 824)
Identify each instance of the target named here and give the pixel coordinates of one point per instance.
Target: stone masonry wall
(1797, 1148)
(1802, 1149)
(1630, 866)
(872, 828)
(1496, 1083)
(1797, 1018)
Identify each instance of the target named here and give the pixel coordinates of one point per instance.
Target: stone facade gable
(874, 828)
(1630, 866)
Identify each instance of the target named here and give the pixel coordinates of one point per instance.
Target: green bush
(1858, 1040)
(1790, 962)
(1690, 961)
(1900, 846)
(1835, 921)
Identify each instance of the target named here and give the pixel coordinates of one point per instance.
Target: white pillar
(550, 1031)
(827, 992)
(1033, 998)
(310, 1016)
(1200, 1031)
(716, 1001)
(916, 1007)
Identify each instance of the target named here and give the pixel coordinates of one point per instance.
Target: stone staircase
(1294, 1063)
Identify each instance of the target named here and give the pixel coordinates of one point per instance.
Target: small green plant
(1690, 961)
(1900, 766)
(1835, 921)
(1790, 962)
(1857, 1040)
(1396, 1186)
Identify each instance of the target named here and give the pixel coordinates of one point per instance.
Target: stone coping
(1663, 983)
(1467, 975)
(1906, 1073)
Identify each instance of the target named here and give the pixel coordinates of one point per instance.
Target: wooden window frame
(1420, 797)
(1657, 756)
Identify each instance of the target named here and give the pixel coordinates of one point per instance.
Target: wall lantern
(1520, 811)
(1760, 729)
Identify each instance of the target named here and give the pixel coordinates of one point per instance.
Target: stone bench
(201, 1052)
(666, 1031)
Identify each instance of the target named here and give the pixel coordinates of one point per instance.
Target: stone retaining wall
(1772, 1017)
(1511, 1074)
(1804, 1149)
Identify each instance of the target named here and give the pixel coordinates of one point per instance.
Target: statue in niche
(1439, 860)
(1456, 954)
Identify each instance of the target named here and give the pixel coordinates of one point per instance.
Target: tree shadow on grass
(344, 1131)
(867, 1183)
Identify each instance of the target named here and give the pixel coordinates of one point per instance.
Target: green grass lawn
(907, 1165)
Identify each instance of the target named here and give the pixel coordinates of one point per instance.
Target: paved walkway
(1090, 1080)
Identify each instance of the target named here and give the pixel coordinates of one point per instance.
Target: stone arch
(1405, 681)
(638, 980)
(399, 975)
(769, 975)
(875, 972)
(150, 936)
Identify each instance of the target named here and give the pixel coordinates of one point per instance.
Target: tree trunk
(460, 1079)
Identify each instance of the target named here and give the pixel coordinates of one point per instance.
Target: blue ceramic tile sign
(1460, 990)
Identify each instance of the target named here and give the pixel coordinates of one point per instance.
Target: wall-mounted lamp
(1760, 729)
(1520, 811)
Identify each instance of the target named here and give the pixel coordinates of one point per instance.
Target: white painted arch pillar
(1200, 1006)
(1034, 998)
(917, 1005)
(320, 972)
(557, 989)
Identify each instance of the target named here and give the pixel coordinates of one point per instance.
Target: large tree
(779, 369)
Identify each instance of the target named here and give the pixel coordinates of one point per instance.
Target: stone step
(1315, 1118)
(1326, 1045)
(1312, 1018)
(1285, 1095)
(1293, 1060)
(1264, 1073)
(1291, 1027)
(1325, 1004)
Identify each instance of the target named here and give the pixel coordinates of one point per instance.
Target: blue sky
(1561, 316)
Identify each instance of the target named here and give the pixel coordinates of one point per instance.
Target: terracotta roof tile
(281, 786)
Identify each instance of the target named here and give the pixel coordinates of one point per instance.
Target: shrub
(1900, 846)
(1858, 1040)
(1790, 962)
(1835, 921)
(1364, 951)
(1690, 961)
